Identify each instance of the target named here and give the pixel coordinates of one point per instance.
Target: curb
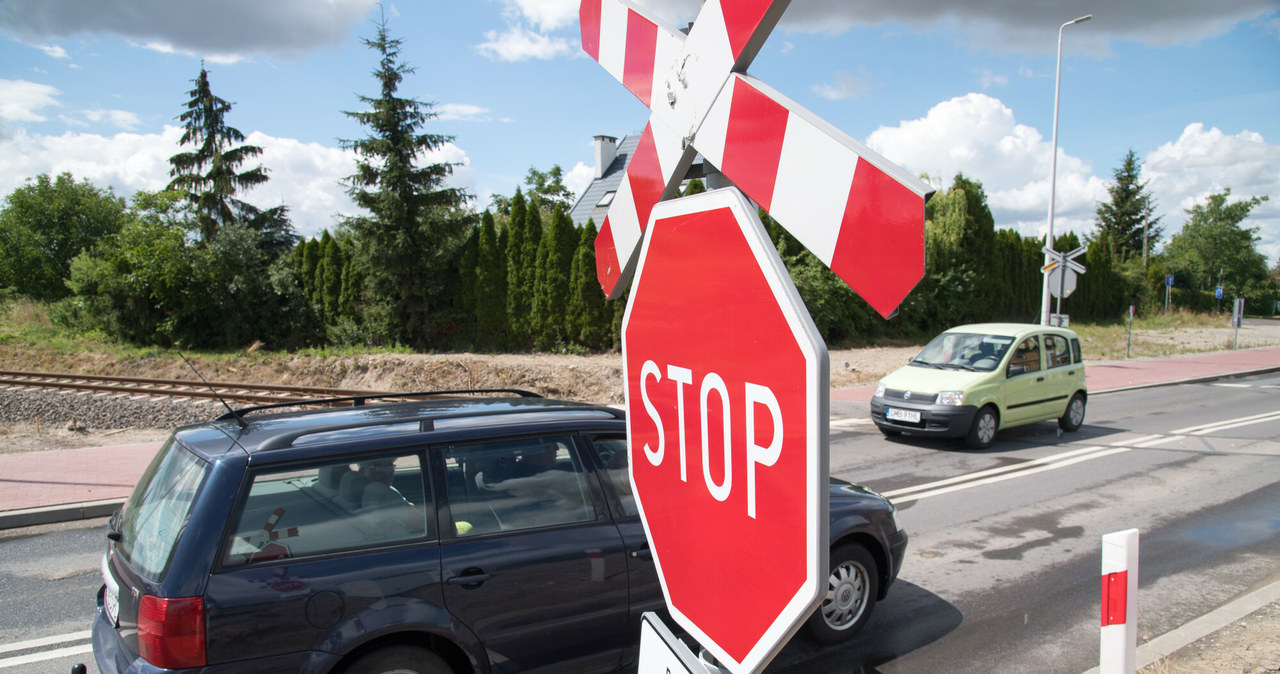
(30, 517)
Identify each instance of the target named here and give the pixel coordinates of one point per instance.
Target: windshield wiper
(915, 361)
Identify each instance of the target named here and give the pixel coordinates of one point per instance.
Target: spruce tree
(409, 241)
(209, 176)
(1131, 208)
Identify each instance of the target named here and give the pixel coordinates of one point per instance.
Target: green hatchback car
(973, 380)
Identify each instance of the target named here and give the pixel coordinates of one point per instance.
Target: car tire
(399, 660)
(852, 587)
(1072, 419)
(982, 432)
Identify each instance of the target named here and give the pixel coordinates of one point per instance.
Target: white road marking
(46, 655)
(46, 641)
(1069, 458)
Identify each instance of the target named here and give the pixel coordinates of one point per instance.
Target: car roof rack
(360, 400)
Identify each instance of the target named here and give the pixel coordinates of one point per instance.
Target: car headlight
(953, 398)
(897, 523)
(879, 390)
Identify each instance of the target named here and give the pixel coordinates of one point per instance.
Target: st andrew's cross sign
(859, 213)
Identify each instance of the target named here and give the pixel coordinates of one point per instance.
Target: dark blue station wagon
(457, 534)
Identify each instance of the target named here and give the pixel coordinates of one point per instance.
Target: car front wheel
(852, 587)
(983, 431)
(1073, 418)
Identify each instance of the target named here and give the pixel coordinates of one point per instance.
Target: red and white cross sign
(727, 399)
(858, 212)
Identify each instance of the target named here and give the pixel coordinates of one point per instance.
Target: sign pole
(1128, 347)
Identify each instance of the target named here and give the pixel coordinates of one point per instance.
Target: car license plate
(909, 416)
(110, 596)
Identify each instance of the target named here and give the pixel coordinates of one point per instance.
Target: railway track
(175, 388)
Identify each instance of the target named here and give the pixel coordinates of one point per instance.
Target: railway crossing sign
(727, 398)
(859, 213)
(1062, 270)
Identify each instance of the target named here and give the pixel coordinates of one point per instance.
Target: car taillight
(171, 631)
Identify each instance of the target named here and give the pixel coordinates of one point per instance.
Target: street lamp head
(1082, 19)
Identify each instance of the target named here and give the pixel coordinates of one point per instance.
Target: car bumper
(897, 552)
(945, 421)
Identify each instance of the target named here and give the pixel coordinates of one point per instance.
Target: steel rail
(179, 388)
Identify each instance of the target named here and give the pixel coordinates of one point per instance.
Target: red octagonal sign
(727, 403)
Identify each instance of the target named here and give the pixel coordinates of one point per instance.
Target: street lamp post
(1053, 170)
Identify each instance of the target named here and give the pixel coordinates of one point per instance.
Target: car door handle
(470, 577)
(642, 553)
(1039, 378)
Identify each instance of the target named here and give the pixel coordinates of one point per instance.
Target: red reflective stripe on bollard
(1115, 598)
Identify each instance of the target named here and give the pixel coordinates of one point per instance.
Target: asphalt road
(1002, 573)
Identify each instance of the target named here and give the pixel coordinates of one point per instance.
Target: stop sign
(727, 406)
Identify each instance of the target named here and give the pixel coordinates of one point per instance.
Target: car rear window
(153, 519)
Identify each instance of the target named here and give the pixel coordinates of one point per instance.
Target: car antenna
(240, 420)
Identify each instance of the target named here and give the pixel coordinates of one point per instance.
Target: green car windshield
(964, 351)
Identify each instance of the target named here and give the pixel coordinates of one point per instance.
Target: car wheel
(852, 587)
(1073, 418)
(983, 431)
(399, 660)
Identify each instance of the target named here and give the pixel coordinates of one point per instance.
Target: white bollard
(1119, 642)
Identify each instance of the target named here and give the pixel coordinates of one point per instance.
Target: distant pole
(1053, 167)
(1146, 222)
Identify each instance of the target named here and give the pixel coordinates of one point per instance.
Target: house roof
(587, 207)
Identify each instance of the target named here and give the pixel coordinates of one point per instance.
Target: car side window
(332, 507)
(1075, 351)
(612, 450)
(1026, 357)
(508, 485)
(1059, 350)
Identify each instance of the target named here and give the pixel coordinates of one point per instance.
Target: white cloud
(21, 100)
(978, 135)
(843, 86)
(545, 14)
(54, 51)
(121, 119)
(1182, 173)
(521, 44)
(462, 112)
(990, 79)
(226, 29)
(578, 178)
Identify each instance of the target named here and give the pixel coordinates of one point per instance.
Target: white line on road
(1064, 459)
(45, 641)
(46, 655)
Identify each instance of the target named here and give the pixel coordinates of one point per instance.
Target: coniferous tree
(209, 176)
(409, 242)
(331, 275)
(588, 320)
(1130, 209)
(551, 285)
(518, 294)
(527, 273)
(491, 287)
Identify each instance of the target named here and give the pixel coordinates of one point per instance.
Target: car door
(646, 589)
(1062, 374)
(315, 550)
(531, 561)
(1026, 387)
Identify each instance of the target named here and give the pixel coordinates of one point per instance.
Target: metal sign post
(1061, 272)
(1237, 317)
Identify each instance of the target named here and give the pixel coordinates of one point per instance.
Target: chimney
(606, 150)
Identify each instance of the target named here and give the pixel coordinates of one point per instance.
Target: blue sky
(93, 87)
